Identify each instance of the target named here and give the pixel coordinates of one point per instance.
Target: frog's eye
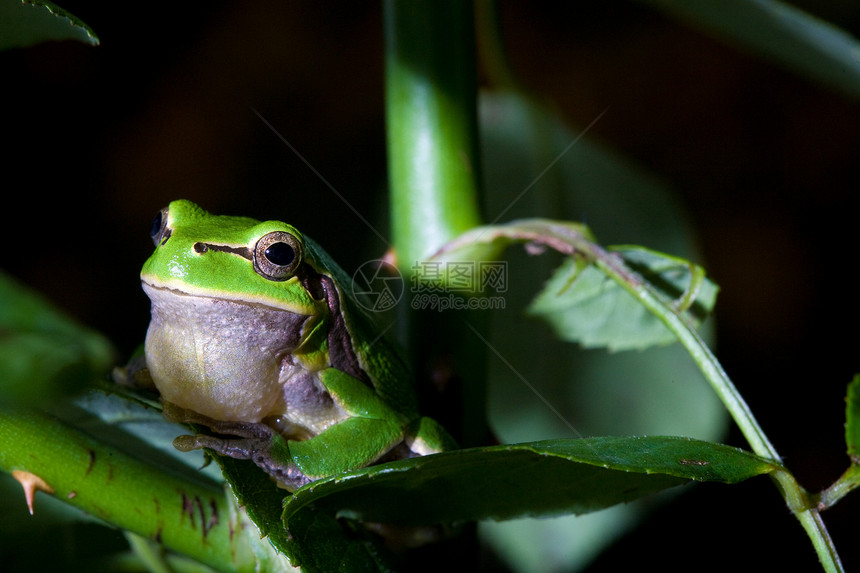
(277, 255)
(159, 232)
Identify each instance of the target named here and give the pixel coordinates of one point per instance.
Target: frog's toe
(242, 449)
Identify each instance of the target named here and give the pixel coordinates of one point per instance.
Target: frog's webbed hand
(256, 442)
(370, 431)
(270, 453)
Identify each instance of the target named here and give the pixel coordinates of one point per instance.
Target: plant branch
(575, 240)
(431, 124)
(796, 498)
(193, 519)
(434, 178)
(847, 482)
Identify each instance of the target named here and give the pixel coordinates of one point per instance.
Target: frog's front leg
(369, 429)
(350, 444)
(269, 451)
(371, 432)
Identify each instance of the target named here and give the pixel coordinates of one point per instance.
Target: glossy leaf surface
(27, 23)
(533, 479)
(582, 305)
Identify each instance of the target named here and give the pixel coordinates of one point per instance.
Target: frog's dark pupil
(280, 254)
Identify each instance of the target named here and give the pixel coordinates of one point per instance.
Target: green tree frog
(256, 334)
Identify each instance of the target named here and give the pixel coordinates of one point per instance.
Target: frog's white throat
(221, 358)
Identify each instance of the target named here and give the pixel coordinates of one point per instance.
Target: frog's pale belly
(220, 358)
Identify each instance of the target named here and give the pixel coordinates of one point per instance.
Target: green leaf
(261, 500)
(781, 33)
(34, 21)
(852, 421)
(322, 543)
(44, 354)
(582, 305)
(534, 164)
(534, 479)
(502, 482)
(259, 495)
(316, 540)
(581, 302)
(126, 419)
(541, 380)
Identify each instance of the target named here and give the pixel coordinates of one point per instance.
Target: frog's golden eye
(277, 255)
(159, 232)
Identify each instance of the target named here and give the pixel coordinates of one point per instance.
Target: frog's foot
(426, 436)
(239, 448)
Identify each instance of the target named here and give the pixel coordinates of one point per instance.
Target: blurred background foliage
(761, 162)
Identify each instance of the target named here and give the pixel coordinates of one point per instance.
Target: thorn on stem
(31, 484)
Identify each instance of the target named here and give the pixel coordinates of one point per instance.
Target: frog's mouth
(159, 288)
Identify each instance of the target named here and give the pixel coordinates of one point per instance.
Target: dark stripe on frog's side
(340, 351)
(167, 232)
(243, 252)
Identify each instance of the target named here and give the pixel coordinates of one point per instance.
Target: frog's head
(230, 258)
(228, 305)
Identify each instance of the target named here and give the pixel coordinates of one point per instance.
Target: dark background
(98, 139)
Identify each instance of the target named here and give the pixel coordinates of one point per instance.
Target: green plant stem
(566, 240)
(575, 240)
(847, 482)
(817, 532)
(796, 498)
(434, 178)
(190, 518)
(431, 124)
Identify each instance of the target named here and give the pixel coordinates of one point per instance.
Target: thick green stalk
(434, 177)
(187, 517)
(431, 124)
